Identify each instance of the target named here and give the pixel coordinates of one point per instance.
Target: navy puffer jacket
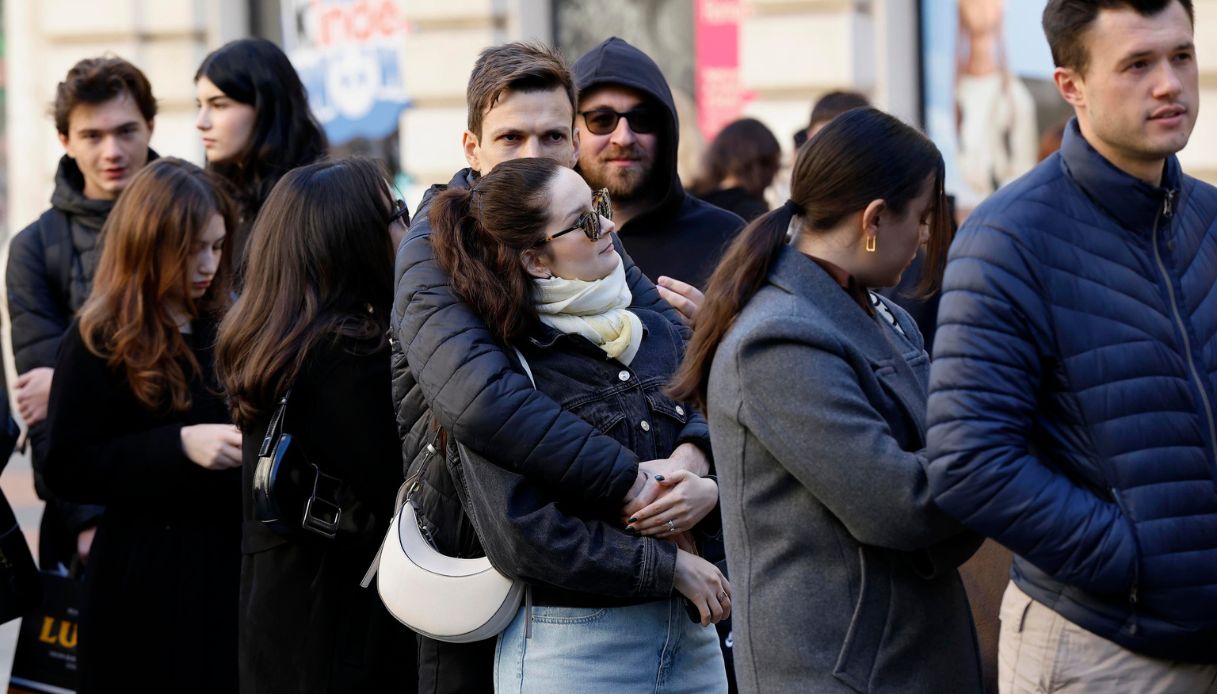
(1072, 395)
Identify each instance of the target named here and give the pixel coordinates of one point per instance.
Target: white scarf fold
(596, 310)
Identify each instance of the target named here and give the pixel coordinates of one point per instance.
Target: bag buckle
(322, 513)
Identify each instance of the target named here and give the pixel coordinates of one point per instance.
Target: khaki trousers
(1040, 651)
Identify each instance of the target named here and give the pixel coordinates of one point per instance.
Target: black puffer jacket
(446, 361)
(679, 236)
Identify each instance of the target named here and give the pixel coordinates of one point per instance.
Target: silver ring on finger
(671, 526)
(722, 595)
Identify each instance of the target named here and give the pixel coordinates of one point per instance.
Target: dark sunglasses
(400, 211)
(602, 121)
(589, 222)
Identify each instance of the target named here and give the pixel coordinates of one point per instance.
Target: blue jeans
(653, 647)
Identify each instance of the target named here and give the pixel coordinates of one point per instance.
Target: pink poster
(720, 96)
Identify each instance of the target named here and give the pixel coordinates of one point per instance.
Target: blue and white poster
(349, 54)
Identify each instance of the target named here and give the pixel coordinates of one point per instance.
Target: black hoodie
(678, 236)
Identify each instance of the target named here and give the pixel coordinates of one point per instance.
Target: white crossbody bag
(441, 597)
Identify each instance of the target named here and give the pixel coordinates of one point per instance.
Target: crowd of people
(716, 455)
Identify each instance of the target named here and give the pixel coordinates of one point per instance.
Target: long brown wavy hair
(319, 266)
(144, 273)
(479, 234)
(860, 156)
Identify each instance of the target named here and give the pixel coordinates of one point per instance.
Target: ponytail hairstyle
(479, 236)
(860, 156)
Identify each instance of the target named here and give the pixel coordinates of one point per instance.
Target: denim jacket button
(646, 426)
(624, 375)
(680, 410)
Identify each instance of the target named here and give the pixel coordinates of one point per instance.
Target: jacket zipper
(1168, 211)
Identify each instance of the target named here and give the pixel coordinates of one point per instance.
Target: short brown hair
(834, 104)
(97, 80)
(1065, 21)
(522, 66)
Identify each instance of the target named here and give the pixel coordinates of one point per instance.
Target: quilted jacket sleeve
(475, 392)
(38, 323)
(986, 374)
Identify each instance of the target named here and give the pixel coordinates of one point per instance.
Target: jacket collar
(1134, 203)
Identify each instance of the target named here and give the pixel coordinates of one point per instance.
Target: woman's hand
(704, 585)
(212, 446)
(684, 500)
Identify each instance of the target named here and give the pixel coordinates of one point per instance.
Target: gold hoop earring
(871, 244)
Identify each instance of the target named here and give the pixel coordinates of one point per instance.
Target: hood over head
(615, 62)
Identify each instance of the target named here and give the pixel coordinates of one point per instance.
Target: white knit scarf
(596, 310)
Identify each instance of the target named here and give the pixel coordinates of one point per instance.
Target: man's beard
(629, 185)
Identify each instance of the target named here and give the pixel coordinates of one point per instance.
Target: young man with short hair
(449, 371)
(628, 138)
(1072, 404)
(104, 113)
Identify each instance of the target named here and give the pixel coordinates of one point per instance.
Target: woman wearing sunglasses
(529, 247)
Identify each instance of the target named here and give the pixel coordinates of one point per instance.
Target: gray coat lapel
(889, 353)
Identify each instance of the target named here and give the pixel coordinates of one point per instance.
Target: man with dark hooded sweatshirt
(450, 372)
(103, 111)
(628, 137)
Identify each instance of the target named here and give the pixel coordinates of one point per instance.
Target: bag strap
(524, 364)
(276, 423)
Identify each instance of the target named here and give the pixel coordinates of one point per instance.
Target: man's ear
(1069, 83)
(534, 264)
(575, 153)
(151, 127)
(67, 147)
(469, 143)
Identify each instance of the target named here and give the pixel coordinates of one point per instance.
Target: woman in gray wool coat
(844, 571)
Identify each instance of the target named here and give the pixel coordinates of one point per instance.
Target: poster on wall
(350, 56)
(990, 102)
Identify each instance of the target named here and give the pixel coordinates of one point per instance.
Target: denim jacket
(571, 553)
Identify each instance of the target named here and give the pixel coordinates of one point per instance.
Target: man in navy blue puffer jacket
(1073, 388)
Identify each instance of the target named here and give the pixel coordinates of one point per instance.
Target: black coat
(161, 583)
(678, 235)
(306, 625)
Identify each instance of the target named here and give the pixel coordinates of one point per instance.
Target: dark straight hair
(320, 266)
(860, 156)
(285, 133)
(479, 235)
(1066, 21)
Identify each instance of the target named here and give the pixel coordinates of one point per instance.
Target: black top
(105, 447)
(737, 200)
(306, 625)
(167, 547)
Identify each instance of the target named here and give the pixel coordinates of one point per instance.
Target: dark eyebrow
(1141, 55)
(120, 126)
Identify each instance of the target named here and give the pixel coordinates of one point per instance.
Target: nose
(1169, 84)
(531, 148)
(202, 121)
(209, 261)
(110, 149)
(623, 134)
